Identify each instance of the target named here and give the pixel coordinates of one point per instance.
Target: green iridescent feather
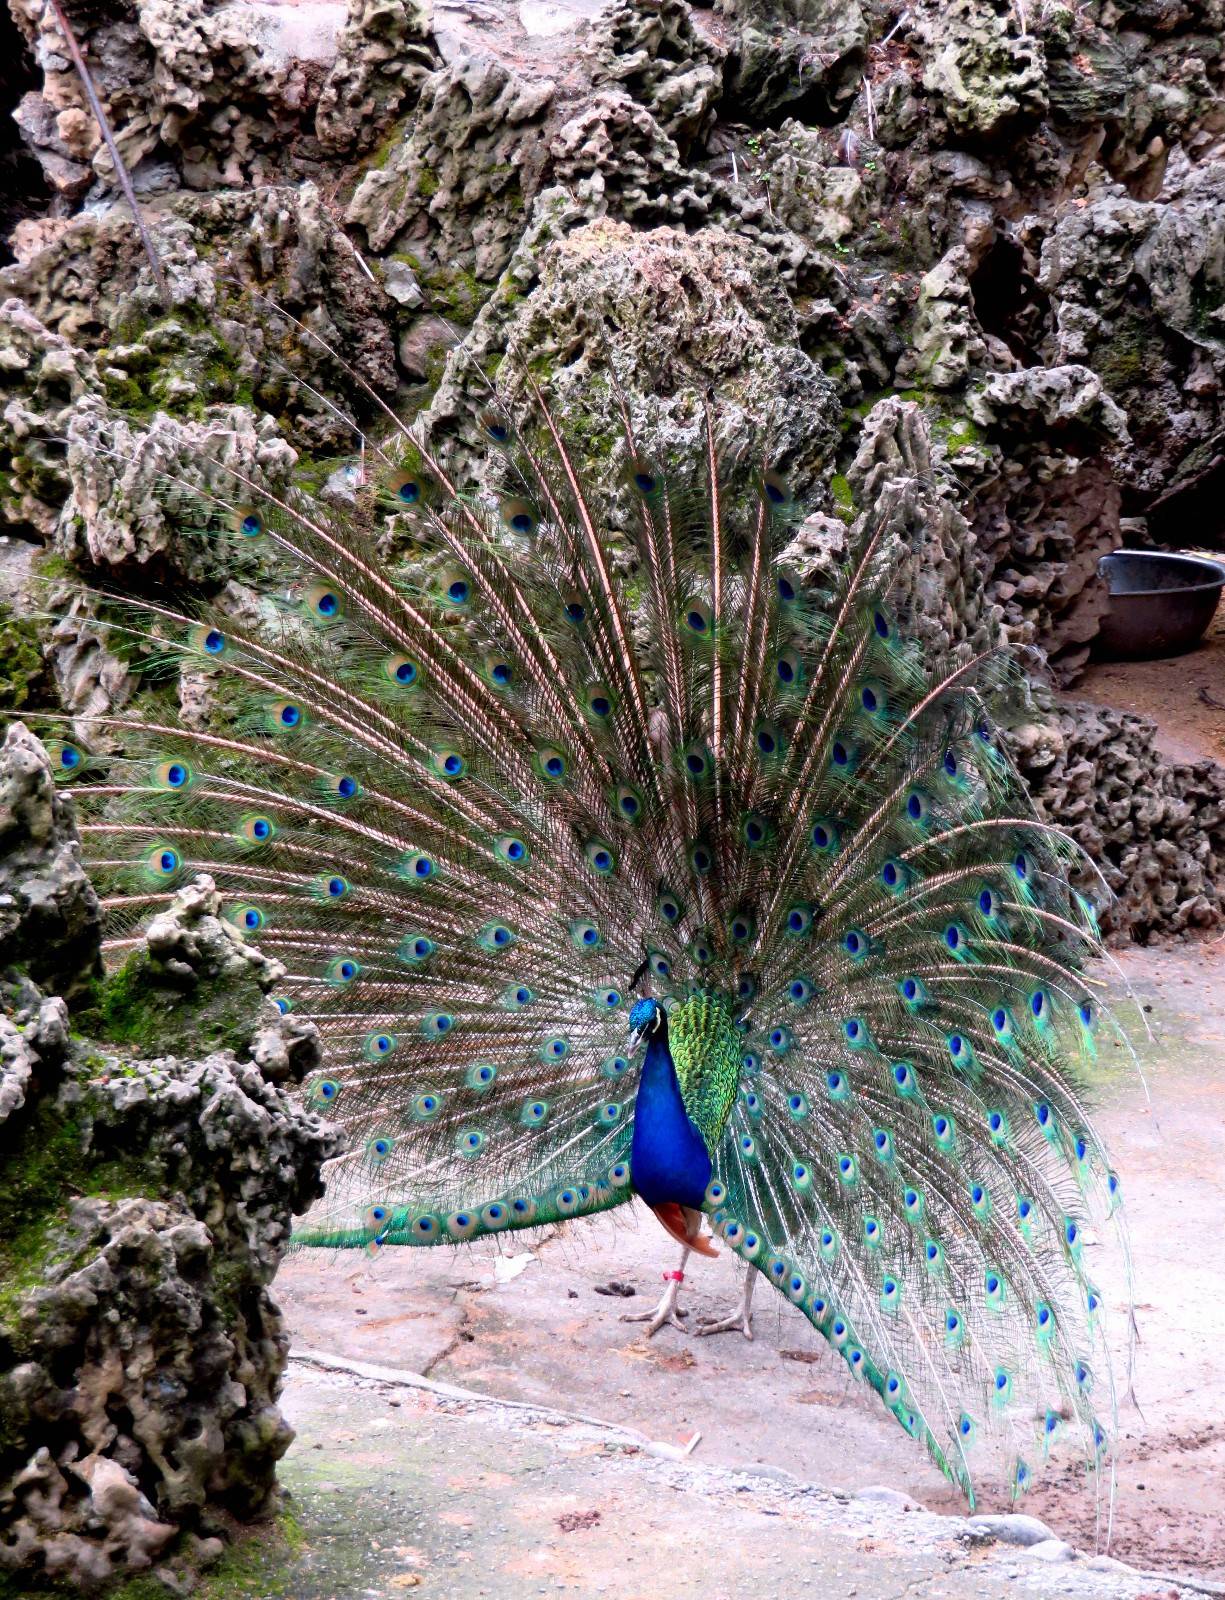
(707, 1053)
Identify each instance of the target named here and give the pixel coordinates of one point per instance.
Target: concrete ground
(528, 1323)
(400, 1491)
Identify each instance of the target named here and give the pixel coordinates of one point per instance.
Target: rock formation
(147, 1190)
(1007, 216)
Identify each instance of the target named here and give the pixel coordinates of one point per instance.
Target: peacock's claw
(657, 1319)
(665, 1313)
(739, 1321)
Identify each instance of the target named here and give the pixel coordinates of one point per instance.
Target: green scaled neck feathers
(707, 1052)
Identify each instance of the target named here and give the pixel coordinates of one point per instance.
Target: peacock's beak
(634, 1040)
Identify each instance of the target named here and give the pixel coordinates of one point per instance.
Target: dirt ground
(547, 1333)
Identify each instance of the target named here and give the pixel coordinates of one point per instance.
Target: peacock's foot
(665, 1313)
(738, 1321)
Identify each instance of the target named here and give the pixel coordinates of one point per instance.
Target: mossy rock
(24, 678)
(137, 1008)
(257, 1565)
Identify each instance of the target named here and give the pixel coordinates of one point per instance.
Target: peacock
(613, 854)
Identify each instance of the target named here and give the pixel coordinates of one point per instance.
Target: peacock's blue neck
(668, 1160)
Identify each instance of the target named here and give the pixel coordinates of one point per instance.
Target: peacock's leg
(665, 1312)
(738, 1321)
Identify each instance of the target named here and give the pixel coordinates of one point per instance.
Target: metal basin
(1160, 604)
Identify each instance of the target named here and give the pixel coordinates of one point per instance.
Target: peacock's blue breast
(668, 1159)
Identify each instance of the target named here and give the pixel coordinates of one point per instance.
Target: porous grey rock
(147, 1205)
(948, 341)
(50, 921)
(451, 193)
(42, 374)
(988, 78)
(1154, 828)
(1052, 510)
(139, 1335)
(656, 54)
(88, 330)
(614, 156)
(172, 75)
(1136, 293)
(602, 292)
(803, 56)
(383, 56)
(131, 487)
(927, 552)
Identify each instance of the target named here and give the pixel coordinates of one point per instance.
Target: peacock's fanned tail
(473, 799)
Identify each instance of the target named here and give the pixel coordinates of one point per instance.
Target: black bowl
(1160, 604)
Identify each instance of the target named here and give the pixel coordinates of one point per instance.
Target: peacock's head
(646, 1017)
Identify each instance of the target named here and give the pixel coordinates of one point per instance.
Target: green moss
(383, 152)
(36, 1180)
(962, 432)
(134, 1008)
(843, 498)
(427, 183)
(1126, 358)
(23, 672)
(456, 291)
